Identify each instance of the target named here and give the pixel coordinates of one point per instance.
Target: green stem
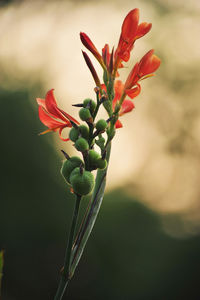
(88, 225)
(64, 280)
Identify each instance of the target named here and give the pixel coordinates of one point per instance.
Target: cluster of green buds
(76, 171)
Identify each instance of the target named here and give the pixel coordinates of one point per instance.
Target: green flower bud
(93, 157)
(69, 165)
(101, 163)
(92, 104)
(84, 114)
(82, 183)
(81, 144)
(84, 130)
(73, 134)
(101, 125)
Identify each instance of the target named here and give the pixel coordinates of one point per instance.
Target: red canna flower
(145, 68)
(52, 116)
(130, 32)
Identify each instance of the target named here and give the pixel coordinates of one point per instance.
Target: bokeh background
(146, 242)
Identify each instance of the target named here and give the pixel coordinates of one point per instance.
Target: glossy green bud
(69, 165)
(82, 182)
(93, 157)
(84, 114)
(101, 163)
(81, 144)
(84, 131)
(101, 125)
(92, 104)
(73, 134)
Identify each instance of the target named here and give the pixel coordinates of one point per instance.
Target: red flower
(145, 68)
(127, 105)
(130, 32)
(49, 114)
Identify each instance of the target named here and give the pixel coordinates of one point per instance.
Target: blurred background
(146, 241)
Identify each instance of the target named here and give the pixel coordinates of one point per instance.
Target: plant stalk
(64, 280)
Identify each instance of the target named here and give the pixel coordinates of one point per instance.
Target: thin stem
(64, 280)
(87, 225)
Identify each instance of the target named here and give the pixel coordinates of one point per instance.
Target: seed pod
(101, 125)
(92, 104)
(101, 163)
(81, 144)
(84, 131)
(82, 183)
(73, 134)
(69, 165)
(84, 114)
(93, 157)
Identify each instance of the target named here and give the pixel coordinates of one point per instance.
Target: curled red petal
(47, 120)
(127, 106)
(60, 135)
(134, 92)
(118, 124)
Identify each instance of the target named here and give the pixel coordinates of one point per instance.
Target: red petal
(132, 77)
(143, 29)
(130, 24)
(68, 117)
(118, 124)
(51, 105)
(41, 102)
(47, 120)
(127, 106)
(148, 64)
(132, 93)
(127, 37)
(106, 55)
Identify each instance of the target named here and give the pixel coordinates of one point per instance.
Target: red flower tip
(91, 47)
(149, 63)
(130, 32)
(143, 29)
(51, 116)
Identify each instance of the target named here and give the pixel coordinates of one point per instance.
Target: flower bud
(84, 131)
(84, 114)
(90, 102)
(73, 134)
(101, 125)
(101, 163)
(81, 144)
(69, 165)
(82, 183)
(93, 157)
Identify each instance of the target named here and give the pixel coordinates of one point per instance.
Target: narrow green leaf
(92, 214)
